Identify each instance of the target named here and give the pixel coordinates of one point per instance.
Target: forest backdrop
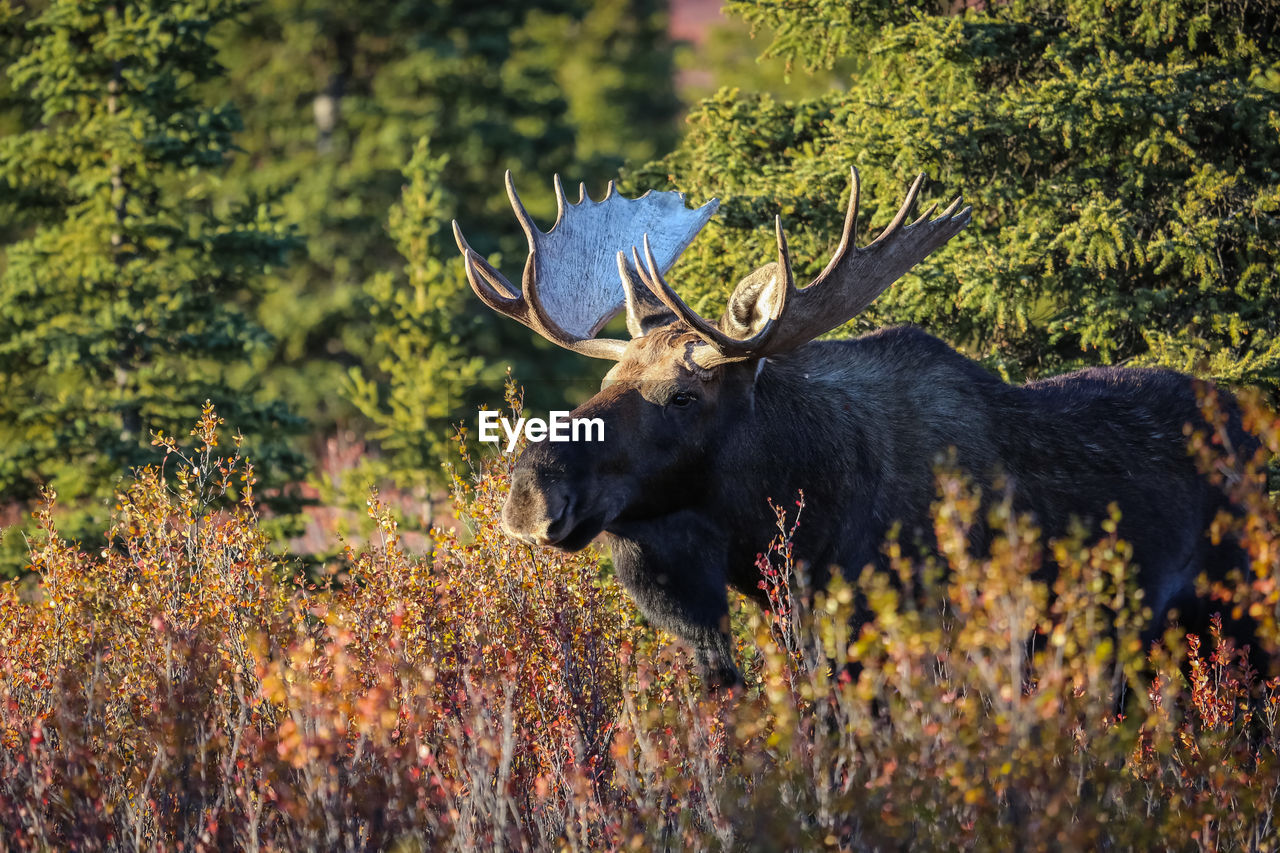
(248, 203)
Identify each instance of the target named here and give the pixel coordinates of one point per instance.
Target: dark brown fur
(690, 456)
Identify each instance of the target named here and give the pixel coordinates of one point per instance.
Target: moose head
(681, 381)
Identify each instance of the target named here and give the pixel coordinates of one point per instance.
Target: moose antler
(571, 286)
(851, 281)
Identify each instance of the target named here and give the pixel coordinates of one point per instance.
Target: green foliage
(819, 32)
(1122, 159)
(728, 57)
(128, 291)
(187, 690)
(421, 332)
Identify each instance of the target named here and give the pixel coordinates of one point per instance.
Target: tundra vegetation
(184, 687)
(170, 678)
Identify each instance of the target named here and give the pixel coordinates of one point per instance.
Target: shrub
(184, 687)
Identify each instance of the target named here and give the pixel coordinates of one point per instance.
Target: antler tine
(643, 310)
(781, 293)
(849, 235)
(951, 208)
(486, 281)
(658, 286)
(526, 221)
(856, 276)
(900, 216)
(561, 201)
(784, 267)
(727, 347)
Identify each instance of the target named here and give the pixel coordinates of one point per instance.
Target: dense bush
(183, 687)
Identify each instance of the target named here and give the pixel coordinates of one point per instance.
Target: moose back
(705, 421)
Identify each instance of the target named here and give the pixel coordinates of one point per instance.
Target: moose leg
(679, 591)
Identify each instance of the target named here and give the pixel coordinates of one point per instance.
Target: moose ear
(753, 302)
(644, 310)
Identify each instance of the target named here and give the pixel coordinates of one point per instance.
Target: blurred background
(249, 203)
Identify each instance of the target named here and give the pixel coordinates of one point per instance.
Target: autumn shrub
(185, 688)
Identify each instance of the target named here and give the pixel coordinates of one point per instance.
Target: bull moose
(705, 421)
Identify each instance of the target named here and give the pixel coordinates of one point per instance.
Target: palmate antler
(577, 278)
(571, 286)
(851, 281)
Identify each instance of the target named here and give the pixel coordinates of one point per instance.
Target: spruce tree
(1122, 158)
(128, 295)
(424, 339)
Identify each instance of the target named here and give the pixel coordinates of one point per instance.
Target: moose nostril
(559, 518)
(537, 513)
(555, 513)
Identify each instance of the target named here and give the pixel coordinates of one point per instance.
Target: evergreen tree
(336, 94)
(15, 114)
(422, 331)
(1122, 158)
(128, 295)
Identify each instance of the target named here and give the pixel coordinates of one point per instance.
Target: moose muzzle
(538, 510)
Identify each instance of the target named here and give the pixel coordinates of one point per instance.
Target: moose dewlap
(702, 422)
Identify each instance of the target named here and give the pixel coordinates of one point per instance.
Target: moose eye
(682, 398)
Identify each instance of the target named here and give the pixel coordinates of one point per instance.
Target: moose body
(703, 424)
(860, 426)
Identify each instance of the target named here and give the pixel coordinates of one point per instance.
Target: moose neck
(859, 421)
